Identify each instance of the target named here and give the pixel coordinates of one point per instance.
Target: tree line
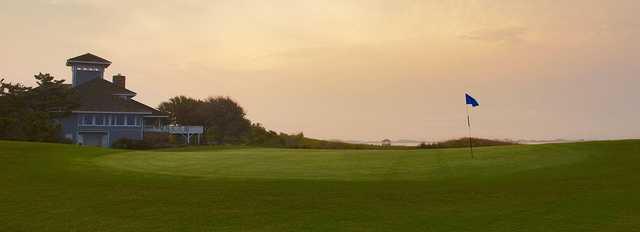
(225, 122)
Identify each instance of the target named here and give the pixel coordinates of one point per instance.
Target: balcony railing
(175, 129)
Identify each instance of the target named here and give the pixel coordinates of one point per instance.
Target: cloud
(499, 35)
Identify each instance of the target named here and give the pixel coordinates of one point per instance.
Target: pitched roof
(103, 96)
(88, 59)
(103, 86)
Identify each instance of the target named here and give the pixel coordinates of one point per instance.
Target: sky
(357, 69)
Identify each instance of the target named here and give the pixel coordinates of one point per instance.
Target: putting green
(344, 164)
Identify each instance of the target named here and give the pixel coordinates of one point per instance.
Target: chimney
(119, 80)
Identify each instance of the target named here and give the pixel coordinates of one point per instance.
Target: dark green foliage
(260, 136)
(132, 144)
(309, 143)
(28, 113)
(224, 120)
(183, 110)
(159, 139)
(464, 142)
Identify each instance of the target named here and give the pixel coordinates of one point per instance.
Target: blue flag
(470, 100)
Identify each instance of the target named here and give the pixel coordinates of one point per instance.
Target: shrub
(131, 144)
(158, 139)
(464, 142)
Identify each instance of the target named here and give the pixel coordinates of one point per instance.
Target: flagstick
(469, 126)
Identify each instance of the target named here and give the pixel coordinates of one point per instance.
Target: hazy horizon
(357, 70)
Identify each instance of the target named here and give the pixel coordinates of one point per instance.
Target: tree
(183, 110)
(53, 96)
(224, 120)
(28, 113)
(260, 136)
(12, 96)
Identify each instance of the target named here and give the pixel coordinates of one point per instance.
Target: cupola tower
(87, 67)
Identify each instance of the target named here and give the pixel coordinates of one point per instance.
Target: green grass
(591, 186)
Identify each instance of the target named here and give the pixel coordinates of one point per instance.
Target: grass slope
(561, 187)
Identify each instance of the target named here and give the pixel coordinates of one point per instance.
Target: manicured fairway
(565, 187)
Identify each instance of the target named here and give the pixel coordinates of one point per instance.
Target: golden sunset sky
(356, 69)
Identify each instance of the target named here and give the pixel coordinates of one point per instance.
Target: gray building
(107, 110)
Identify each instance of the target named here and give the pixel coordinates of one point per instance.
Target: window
(119, 120)
(85, 120)
(108, 120)
(99, 120)
(87, 69)
(88, 120)
(131, 120)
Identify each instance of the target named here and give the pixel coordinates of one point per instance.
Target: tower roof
(88, 59)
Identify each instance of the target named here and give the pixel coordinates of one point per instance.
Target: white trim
(108, 112)
(155, 116)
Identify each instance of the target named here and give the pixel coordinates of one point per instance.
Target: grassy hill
(560, 187)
